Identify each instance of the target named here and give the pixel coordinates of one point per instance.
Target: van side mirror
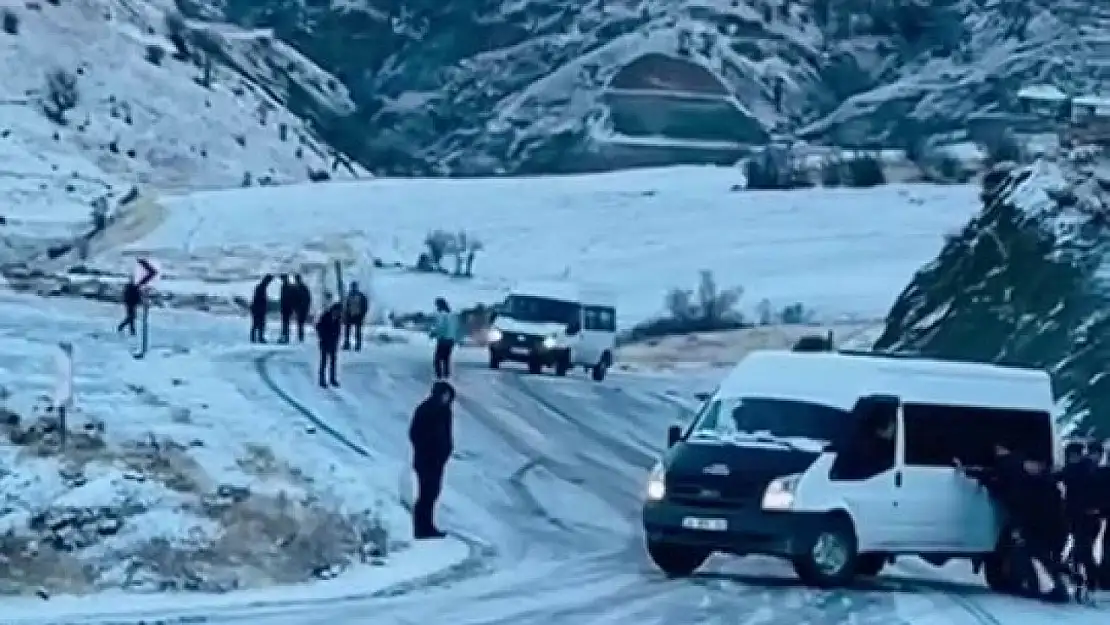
(702, 397)
(674, 434)
(573, 328)
(492, 316)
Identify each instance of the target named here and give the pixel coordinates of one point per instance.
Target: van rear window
(601, 318)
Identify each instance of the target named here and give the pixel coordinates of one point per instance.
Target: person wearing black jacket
(132, 297)
(432, 442)
(355, 307)
(1080, 477)
(1029, 494)
(287, 303)
(303, 303)
(260, 305)
(328, 328)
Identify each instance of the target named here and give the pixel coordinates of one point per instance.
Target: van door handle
(898, 479)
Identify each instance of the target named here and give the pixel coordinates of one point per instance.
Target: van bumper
(546, 357)
(750, 531)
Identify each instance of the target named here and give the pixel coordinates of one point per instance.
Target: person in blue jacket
(446, 334)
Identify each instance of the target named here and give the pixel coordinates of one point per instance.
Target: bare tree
(61, 95)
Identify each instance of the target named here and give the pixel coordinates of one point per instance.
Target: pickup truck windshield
(541, 309)
(757, 418)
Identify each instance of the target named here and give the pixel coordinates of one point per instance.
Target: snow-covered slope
(1024, 282)
(483, 86)
(180, 471)
(838, 251)
(142, 113)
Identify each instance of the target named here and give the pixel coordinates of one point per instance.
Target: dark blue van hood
(738, 473)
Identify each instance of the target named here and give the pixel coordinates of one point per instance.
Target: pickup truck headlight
(780, 493)
(550, 343)
(656, 484)
(493, 335)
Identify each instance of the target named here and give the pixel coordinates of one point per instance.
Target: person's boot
(323, 383)
(334, 382)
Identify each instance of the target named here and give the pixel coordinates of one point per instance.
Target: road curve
(548, 471)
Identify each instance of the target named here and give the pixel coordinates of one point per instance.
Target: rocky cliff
(1025, 282)
(534, 86)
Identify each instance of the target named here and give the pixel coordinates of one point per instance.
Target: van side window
(938, 434)
(601, 319)
(866, 454)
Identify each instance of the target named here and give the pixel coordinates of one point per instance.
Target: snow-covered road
(548, 473)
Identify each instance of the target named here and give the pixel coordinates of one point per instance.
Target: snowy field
(841, 252)
(181, 471)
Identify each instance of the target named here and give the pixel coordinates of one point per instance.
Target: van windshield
(541, 309)
(758, 419)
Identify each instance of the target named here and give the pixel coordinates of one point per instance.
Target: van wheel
(600, 369)
(676, 560)
(494, 359)
(535, 365)
(870, 564)
(832, 558)
(562, 364)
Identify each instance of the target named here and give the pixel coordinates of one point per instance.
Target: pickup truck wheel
(494, 359)
(676, 560)
(535, 365)
(832, 558)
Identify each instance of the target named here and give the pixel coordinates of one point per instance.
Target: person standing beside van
(445, 331)
(1080, 477)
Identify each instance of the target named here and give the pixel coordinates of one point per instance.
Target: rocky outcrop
(1025, 282)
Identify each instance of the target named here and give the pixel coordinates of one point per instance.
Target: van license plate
(520, 351)
(708, 525)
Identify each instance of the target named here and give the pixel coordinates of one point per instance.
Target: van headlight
(550, 343)
(493, 335)
(780, 493)
(656, 485)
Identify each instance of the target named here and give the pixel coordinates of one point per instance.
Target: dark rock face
(1025, 283)
(473, 87)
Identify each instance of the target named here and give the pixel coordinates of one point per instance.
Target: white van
(760, 468)
(556, 324)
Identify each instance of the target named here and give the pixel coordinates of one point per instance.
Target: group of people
(1045, 508)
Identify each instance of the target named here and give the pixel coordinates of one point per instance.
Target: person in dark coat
(132, 297)
(432, 442)
(1096, 451)
(287, 303)
(303, 301)
(328, 328)
(1029, 494)
(260, 305)
(1080, 477)
(355, 307)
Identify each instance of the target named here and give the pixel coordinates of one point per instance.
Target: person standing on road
(303, 304)
(1080, 477)
(132, 297)
(260, 305)
(328, 328)
(355, 307)
(446, 334)
(287, 301)
(432, 443)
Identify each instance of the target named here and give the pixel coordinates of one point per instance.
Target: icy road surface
(548, 472)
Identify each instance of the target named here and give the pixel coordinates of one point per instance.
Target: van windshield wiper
(767, 437)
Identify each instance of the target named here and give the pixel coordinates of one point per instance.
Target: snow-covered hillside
(535, 86)
(142, 112)
(1024, 283)
(180, 471)
(837, 251)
